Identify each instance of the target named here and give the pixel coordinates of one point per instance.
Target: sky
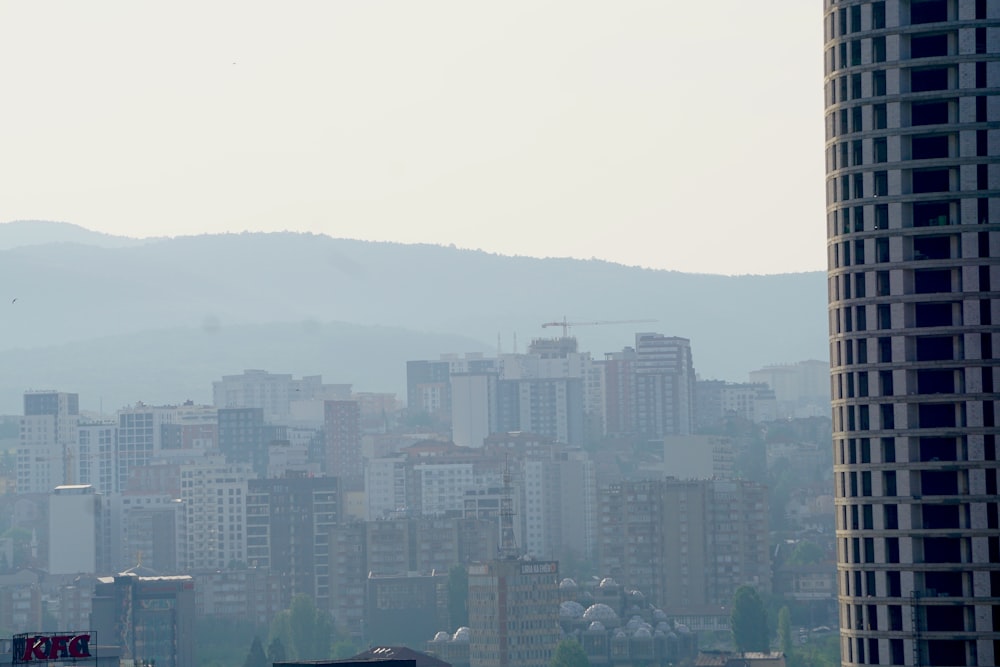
(671, 135)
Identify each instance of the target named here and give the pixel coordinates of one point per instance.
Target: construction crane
(566, 325)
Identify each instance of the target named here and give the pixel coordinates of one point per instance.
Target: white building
(385, 486)
(97, 449)
(473, 408)
(74, 530)
(698, 456)
(273, 392)
(47, 445)
(214, 496)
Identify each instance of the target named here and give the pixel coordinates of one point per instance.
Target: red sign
(43, 648)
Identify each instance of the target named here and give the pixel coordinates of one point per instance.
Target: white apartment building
(214, 496)
(47, 445)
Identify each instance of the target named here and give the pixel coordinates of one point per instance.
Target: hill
(73, 293)
(173, 365)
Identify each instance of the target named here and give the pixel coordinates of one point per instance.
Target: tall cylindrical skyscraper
(913, 222)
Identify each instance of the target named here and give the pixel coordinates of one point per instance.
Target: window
(929, 46)
(878, 49)
(878, 82)
(881, 116)
(924, 80)
(929, 147)
(929, 113)
(878, 15)
(881, 281)
(881, 184)
(881, 149)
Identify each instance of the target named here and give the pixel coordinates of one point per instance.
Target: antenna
(508, 543)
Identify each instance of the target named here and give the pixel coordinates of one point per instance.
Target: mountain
(71, 293)
(20, 233)
(173, 365)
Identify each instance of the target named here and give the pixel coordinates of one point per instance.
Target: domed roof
(571, 609)
(608, 582)
(601, 612)
(461, 635)
(567, 583)
(596, 626)
(642, 633)
(659, 615)
(441, 636)
(683, 629)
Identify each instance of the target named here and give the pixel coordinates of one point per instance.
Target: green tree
(458, 596)
(569, 653)
(276, 651)
(305, 632)
(749, 621)
(806, 553)
(785, 640)
(255, 657)
(311, 630)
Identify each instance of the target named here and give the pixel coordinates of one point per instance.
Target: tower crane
(566, 325)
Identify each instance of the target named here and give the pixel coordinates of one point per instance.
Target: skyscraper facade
(913, 222)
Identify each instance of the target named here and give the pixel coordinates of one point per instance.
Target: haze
(670, 136)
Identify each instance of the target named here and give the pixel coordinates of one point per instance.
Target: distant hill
(20, 233)
(173, 365)
(69, 292)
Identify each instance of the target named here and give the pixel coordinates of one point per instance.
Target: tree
(276, 651)
(304, 631)
(569, 653)
(255, 657)
(785, 640)
(806, 553)
(749, 621)
(458, 596)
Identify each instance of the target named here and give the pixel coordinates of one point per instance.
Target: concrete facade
(913, 223)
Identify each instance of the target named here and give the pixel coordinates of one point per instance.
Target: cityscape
(251, 408)
(611, 488)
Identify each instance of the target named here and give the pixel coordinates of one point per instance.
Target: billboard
(34, 647)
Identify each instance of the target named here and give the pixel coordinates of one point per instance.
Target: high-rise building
(513, 612)
(913, 222)
(75, 544)
(650, 389)
(214, 494)
(289, 521)
(46, 451)
(150, 619)
(274, 393)
(688, 544)
(342, 426)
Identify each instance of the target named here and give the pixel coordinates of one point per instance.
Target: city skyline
(548, 129)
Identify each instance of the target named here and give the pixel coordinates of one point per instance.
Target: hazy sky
(678, 135)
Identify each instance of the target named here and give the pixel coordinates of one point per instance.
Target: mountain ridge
(62, 293)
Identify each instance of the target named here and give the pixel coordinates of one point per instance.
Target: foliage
(806, 553)
(823, 652)
(276, 651)
(458, 596)
(304, 631)
(343, 648)
(255, 657)
(569, 653)
(222, 643)
(749, 621)
(785, 639)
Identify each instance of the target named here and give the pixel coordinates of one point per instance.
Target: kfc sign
(45, 648)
